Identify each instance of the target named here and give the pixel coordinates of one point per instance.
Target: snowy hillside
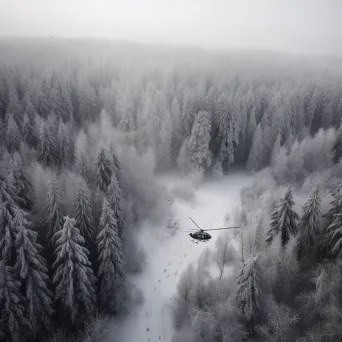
(169, 255)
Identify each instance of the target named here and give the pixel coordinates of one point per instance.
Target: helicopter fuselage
(200, 235)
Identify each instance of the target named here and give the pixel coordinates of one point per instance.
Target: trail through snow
(169, 255)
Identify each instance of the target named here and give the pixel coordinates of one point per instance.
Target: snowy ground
(169, 255)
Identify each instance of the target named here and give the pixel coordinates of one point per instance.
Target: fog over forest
(119, 120)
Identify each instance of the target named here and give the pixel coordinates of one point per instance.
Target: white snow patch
(169, 255)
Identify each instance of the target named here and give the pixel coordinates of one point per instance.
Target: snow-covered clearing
(169, 255)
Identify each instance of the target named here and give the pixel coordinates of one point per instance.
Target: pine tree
(21, 182)
(248, 294)
(309, 225)
(7, 211)
(73, 275)
(12, 135)
(13, 323)
(283, 220)
(32, 271)
(103, 170)
(114, 195)
(29, 130)
(63, 148)
(198, 145)
(110, 258)
(336, 205)
(335, 235)
(54, 210)
(338, 147)
(83, 210)
(46, 147)
(256, 155)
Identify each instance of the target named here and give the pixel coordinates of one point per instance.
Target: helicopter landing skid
(194, 241)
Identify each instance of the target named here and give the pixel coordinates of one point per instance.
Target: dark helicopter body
(201, 236)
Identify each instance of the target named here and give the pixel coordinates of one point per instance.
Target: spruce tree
(47, 147)
(114, 195)
(110, 259)
(12, 135)
(283, 220)
(73, 276)
(103, 170)
(336, 205)
(83, 210)
(14, 326)
(54, 210)
(63, 148)
(338, 147)
(248, 294)
(309, 225)
(198, 145)
(256, 155)
(31, 269)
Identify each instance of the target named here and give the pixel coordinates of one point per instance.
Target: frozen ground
(169, 255)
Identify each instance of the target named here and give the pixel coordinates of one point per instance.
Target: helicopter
(201, 235)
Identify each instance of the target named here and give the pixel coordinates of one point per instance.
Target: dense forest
(86, 124)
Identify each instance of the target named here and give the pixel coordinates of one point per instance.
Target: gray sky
(295, 25)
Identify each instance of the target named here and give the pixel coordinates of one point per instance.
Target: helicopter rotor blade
(221, 228)
(195, 223)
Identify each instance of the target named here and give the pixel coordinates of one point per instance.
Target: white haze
(291, 25)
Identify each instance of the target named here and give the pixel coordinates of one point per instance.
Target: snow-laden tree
(47, 147)
(12, 135)
(338, 146)
(256, 155)
(110, 259)
(124, 108)
(248, 294)
(7, 210)
(335, 205)
(31, 268)
(65, 106)
(73, 276)
(114, 195)
(283, 220)
(54, 210)
(29, 131)
(176, 141)
(198, 144)
(310, 222)
(63, 145)
(275, 150)
(83, 210)
(334, 228)
(14, 326)
(21, 182)
(103, 170)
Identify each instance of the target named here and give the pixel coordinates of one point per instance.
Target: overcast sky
(295, 25)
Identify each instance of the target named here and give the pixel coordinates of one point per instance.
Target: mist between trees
(85, 125)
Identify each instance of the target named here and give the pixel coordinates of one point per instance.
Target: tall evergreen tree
(110, 258)
(309, 225)
(103, 170)
(14, 326)
(256, 155)
(248, 294)
(283, 220)
(336, 205)
(63, 148)
(338, 146)
(47, 147)
(32, 271)
(198, 145)
(114, 195)
(73, 276)
(54, 210)
(12, 135)
(83, 210)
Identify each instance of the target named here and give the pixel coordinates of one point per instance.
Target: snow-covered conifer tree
(198, 145)
(114, 195)
(336, 205)
(46, 147)
(73, 276)
(248, 294)
(12, 135)
(103, 170)
(83, 210)
(283, 220)
(110, 258)
(338, 146)
(21, 182)
(13, 323)
(63, 148)
(32, 271)
(54, 210)
(309, 225)
(256, 155)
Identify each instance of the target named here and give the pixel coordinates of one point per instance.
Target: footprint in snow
(148, 329)
(159, 281)
(164, 270)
